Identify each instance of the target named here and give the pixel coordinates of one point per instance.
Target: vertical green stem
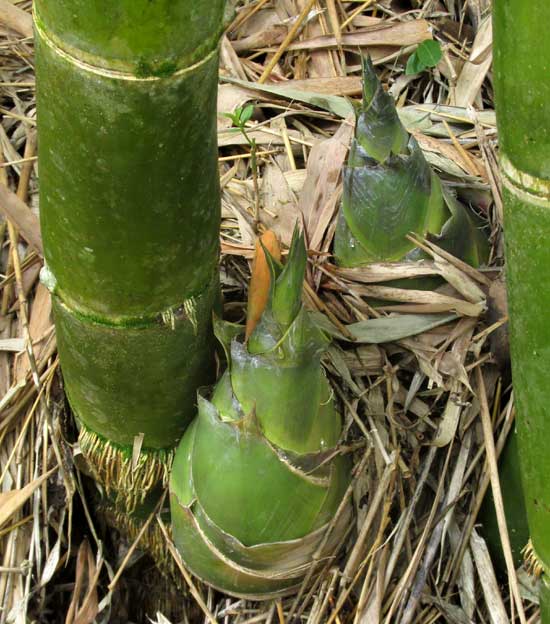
(544, 598)
(130, 210)
(522, 90)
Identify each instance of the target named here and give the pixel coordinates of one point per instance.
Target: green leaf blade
(427, 54)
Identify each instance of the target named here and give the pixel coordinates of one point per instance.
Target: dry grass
(421, 412)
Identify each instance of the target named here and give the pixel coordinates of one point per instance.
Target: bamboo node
(152, 541)
(533, 563)
(169, 318)
(127, 481)
(115, 74)
(190, 307)
(523, 185)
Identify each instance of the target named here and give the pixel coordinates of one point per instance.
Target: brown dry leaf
(232, 249)
(262, 136)
(460, 281)
(271, 36)
(449, 422)
(5, 360)
(320, 62)
(473, 166)
(384, 271)
(258, 291)
(39, 326)
(262, 30)
(336, 85)
(229, 61)
(326, 85)
(86, 570)
(454, 367)
(318, 201)
(440, 302)
(12, 501)
(279, 206)
(489, 584)
(395, 34)
(22, 217)
(15, 18)
(474, 71)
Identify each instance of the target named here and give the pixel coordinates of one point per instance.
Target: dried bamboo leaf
(12, 501)
(489, 585)
(387, 329)
(21, 215)
(15, 18)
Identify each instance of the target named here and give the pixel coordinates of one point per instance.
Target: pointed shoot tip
(260, 281)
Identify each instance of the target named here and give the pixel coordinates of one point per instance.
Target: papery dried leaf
(12, 501)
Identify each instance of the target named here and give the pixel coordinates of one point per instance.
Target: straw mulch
(414, 399)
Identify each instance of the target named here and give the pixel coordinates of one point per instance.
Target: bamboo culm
(130, 211)
(522, 95)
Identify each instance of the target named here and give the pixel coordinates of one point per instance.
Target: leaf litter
(415, 377)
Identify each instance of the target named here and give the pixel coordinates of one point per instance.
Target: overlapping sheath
(258, 477)
(391, 191)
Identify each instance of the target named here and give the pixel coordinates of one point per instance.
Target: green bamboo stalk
(130, 210)
(522, 93)
(258, 477)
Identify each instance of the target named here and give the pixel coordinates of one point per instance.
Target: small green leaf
(414, 66)
(246, 113)
(235, 119)
(427, 54)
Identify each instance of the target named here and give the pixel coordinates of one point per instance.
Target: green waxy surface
(209, 566)
(379, 130)
(390, 191)
(269, 389)
(122, 381)
(245, 488)
(130, 204)
(141, 36)
(192, 528)
(382, 202)
(528, 257)
(258, 477)
(521, 53)
(130, 215)
(287, 557)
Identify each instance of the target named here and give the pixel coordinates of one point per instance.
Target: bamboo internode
(522, 91)
(130, 212)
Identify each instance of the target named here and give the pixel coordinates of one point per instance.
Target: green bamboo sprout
(130, 211)
(258, 476)
(522, 93)
(391, 191)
